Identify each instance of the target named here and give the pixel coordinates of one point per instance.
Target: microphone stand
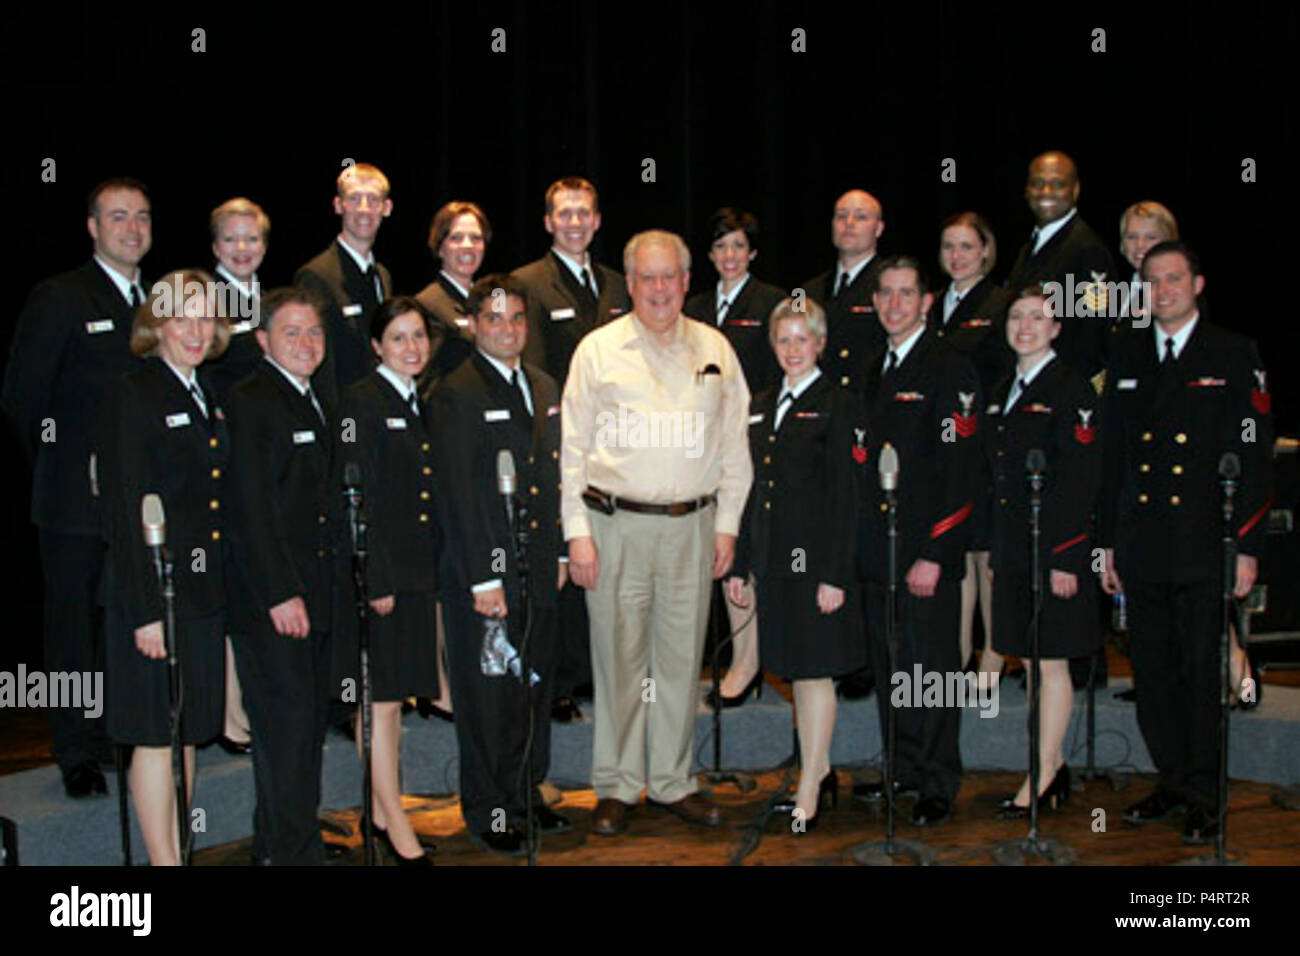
(717, 776)
(163, 566)
(1012, 852)
(882, 852)
(518, 513)
(360, 590)
(1228, 478)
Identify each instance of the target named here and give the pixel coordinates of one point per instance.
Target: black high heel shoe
(234, 747)
(830, 784)
(382, 833)
(387, 841)
(427, 708)
(1054, 797)
(755, 686)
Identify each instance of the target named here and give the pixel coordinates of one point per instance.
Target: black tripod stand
(1013, 852)
(882, 852)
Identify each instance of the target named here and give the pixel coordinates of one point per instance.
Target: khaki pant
(648, 618)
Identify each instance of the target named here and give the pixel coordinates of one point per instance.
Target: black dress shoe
(755, 687)
(1200, 827)
(565, 710)
(930, 811)
(234, 747)
(84, 779)
(875, 791)
(509, 842)
(548, 821)
(1156, 806)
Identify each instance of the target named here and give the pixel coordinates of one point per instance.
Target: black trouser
(73, 637)
(928, 756)
(1174, 644)
(490, 724)
(286, 685)
(572, 642)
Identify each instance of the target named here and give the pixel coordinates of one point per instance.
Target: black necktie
(372, 276)
(589, 287)
(415, 404)
(841, 285)
(517, 386)
(891, 362)
(1033, 242)
(311, 397)
(198, 398)
(722, 310)
(1169, 351)
(780, 404)
(134, 297)
(1020, 391)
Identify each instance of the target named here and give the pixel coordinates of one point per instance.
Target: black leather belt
(606, 503)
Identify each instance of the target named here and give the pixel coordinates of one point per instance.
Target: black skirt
(137, 686)
(403, 650)
(1069, 627)
(797, 641)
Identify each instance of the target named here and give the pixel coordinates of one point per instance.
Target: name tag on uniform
(993, 410)
(496, 415)
(552, 410)
(559, 315)
(1126, 384)
(396, 422)
(177, 420)
(755, 419)
(860, 308)
(462, 321)
(241, 327)
(100, 325)
(353, 309)
(304, 438)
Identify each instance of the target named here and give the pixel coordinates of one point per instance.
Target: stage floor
(1260, 832)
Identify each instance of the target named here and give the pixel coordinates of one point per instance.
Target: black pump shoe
(830, 785)
(755, 686)
(1054, 797)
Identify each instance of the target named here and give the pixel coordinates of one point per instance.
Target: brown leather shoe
(693, 808)
(610, 816)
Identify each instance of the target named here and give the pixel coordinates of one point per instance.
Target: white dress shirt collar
(1180, 337)
(363, 263)
(1045, 233)
(902, 350)
(403, 389)
(122, 282)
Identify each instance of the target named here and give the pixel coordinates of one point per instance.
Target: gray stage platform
(56, 830)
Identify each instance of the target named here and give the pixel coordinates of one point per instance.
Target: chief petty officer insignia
(860, 446)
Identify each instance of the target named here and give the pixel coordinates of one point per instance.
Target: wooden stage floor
(1260, 832)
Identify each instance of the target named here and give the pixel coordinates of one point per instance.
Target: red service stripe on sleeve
(1245, 529)
(1069, 544)
(950, 522)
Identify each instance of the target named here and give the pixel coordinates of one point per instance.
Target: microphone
(888, 468)
(1229, 472)
(352, 499)
(155, 529)
(506, 482)
(1035, 466)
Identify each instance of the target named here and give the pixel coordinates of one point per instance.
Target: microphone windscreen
(1229, 466)
(888, 467)
(1036, 461)
(505, 472)
(351, 473)
(154, 521)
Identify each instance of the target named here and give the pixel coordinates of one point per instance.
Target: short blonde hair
(239, 206)
(812, 314)
(162, 305)
(359, 171)
(656, 237)
(1150, 209)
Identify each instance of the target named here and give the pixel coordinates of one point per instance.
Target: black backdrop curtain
(713, 95)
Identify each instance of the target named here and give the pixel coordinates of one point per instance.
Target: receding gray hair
(656, 237)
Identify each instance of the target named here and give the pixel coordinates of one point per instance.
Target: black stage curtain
(713, 95)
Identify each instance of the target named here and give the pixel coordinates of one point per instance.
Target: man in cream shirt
(655, 471)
